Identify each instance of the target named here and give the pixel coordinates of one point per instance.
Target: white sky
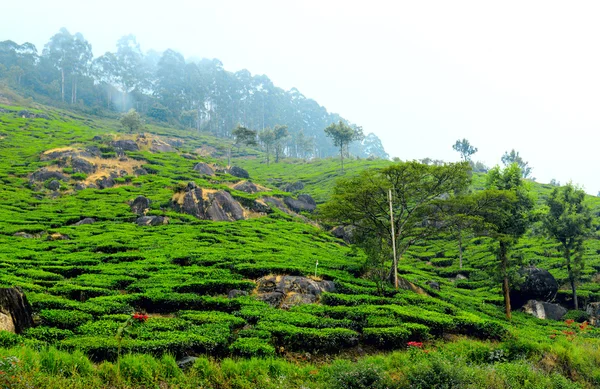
(419, 74)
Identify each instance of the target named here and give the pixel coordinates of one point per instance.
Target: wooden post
(393, 240)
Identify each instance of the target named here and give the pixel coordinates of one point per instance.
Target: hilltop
(97, 223)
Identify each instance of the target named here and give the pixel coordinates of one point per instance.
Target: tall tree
(514, 157)
(569, 222)
(342, 135)
(131, 72)
(132, 121)
(362, 202)
(241, 136)
(510, 218)
(267, 138)
(281, 133)
(465, 149)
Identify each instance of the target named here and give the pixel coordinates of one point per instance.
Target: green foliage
(252, 347)
(64, 319)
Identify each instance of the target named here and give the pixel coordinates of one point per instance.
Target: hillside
(88, 252)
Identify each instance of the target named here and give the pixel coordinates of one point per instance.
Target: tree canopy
(342, 135)
(465, 149)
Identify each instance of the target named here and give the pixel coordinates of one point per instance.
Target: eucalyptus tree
(465, 149)
(513, 156)
(342, 135)
(569, 222)
(508, 219)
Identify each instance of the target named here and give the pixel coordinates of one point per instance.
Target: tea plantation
(86, 262)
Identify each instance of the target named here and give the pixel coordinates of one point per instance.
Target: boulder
(80, 165)
(237, 171)
(58, 236)
(140, 205)
(44, 175)
(538, 285)
(105, 182)
(460, 277)
(286, 291)
(188, 156)
(14, 305)
(293, 187)
(344, 232)
(126, 145)
(87, 220)
(544, 310)
(79, 186)
(260, 207)
(593, 310)
(216, 213)
(152, 220)
(25, 235)
(204, 169)
(186, 362)
(229, 205)
(307, 199)
(60, 155)
(433, 285)
(140, 171)
(53, 185)
(277, 203)
(236, 293)
(246, 186)
(161, 147)
(305, 203)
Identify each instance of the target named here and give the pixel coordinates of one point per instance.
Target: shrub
(64, 319)
(212, 317)
(252, 347)
(298, 338)
(578, 316)
(395, 337)
(214, 286)
(347, 375)
(47, 334)
(8, 339)
(54, 362)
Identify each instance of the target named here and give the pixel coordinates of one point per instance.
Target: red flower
(142, 317)
(415, 344)
(569, 321)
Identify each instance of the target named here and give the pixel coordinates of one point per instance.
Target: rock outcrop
(125, 145)
(140, 205)
(246, 186)
(152, 220)
(44, 175)
(216, 206)
(87, 220)
(237, 171)
(344, 232)
(80, 165)
(593, 310)
(544, 310)
(304, 202)
(204, 168)
(287, 291)
(539, 285)
(15, 311)
(293, 187)
(105, 182)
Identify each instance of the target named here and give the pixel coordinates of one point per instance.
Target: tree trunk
(342, 155)
(62, 88)
(460, 249)
(505, 287)
(571, 278)
(268, 155)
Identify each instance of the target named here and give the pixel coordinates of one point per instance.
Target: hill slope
(85, 280)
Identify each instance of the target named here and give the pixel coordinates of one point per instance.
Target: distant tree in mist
(465, 149)
(342, 135)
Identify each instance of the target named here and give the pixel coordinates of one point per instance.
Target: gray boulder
(344, 232)
(44, 175)
(539, 285)
(186, 362)
(105, 182)
(204, 169)
(246, 186)
(140, 205)
(126, 145)
(434, 285)
(87, 220)
(80, 165)
(544, 310)
(237, 171)
(53, 185)
(152, 220)
(79, 186)
(293, 187)
(236, 293)
(229, 205)
(286, 291)
(593, 310)
(303, 203)
(260, 207)
(216, 213)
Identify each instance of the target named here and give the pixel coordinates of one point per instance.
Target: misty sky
(419, 74)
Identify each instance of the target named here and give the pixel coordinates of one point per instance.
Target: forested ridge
(168, 88)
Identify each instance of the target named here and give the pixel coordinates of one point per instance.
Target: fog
(420, 75)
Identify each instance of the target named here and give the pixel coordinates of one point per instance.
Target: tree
(267, 138)
(465, 149)
(281, 133)
(362, 202)
(342, 135)
(569, 222)
(242, 136)
(132, 121)
(509, 218)
(514, 157)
